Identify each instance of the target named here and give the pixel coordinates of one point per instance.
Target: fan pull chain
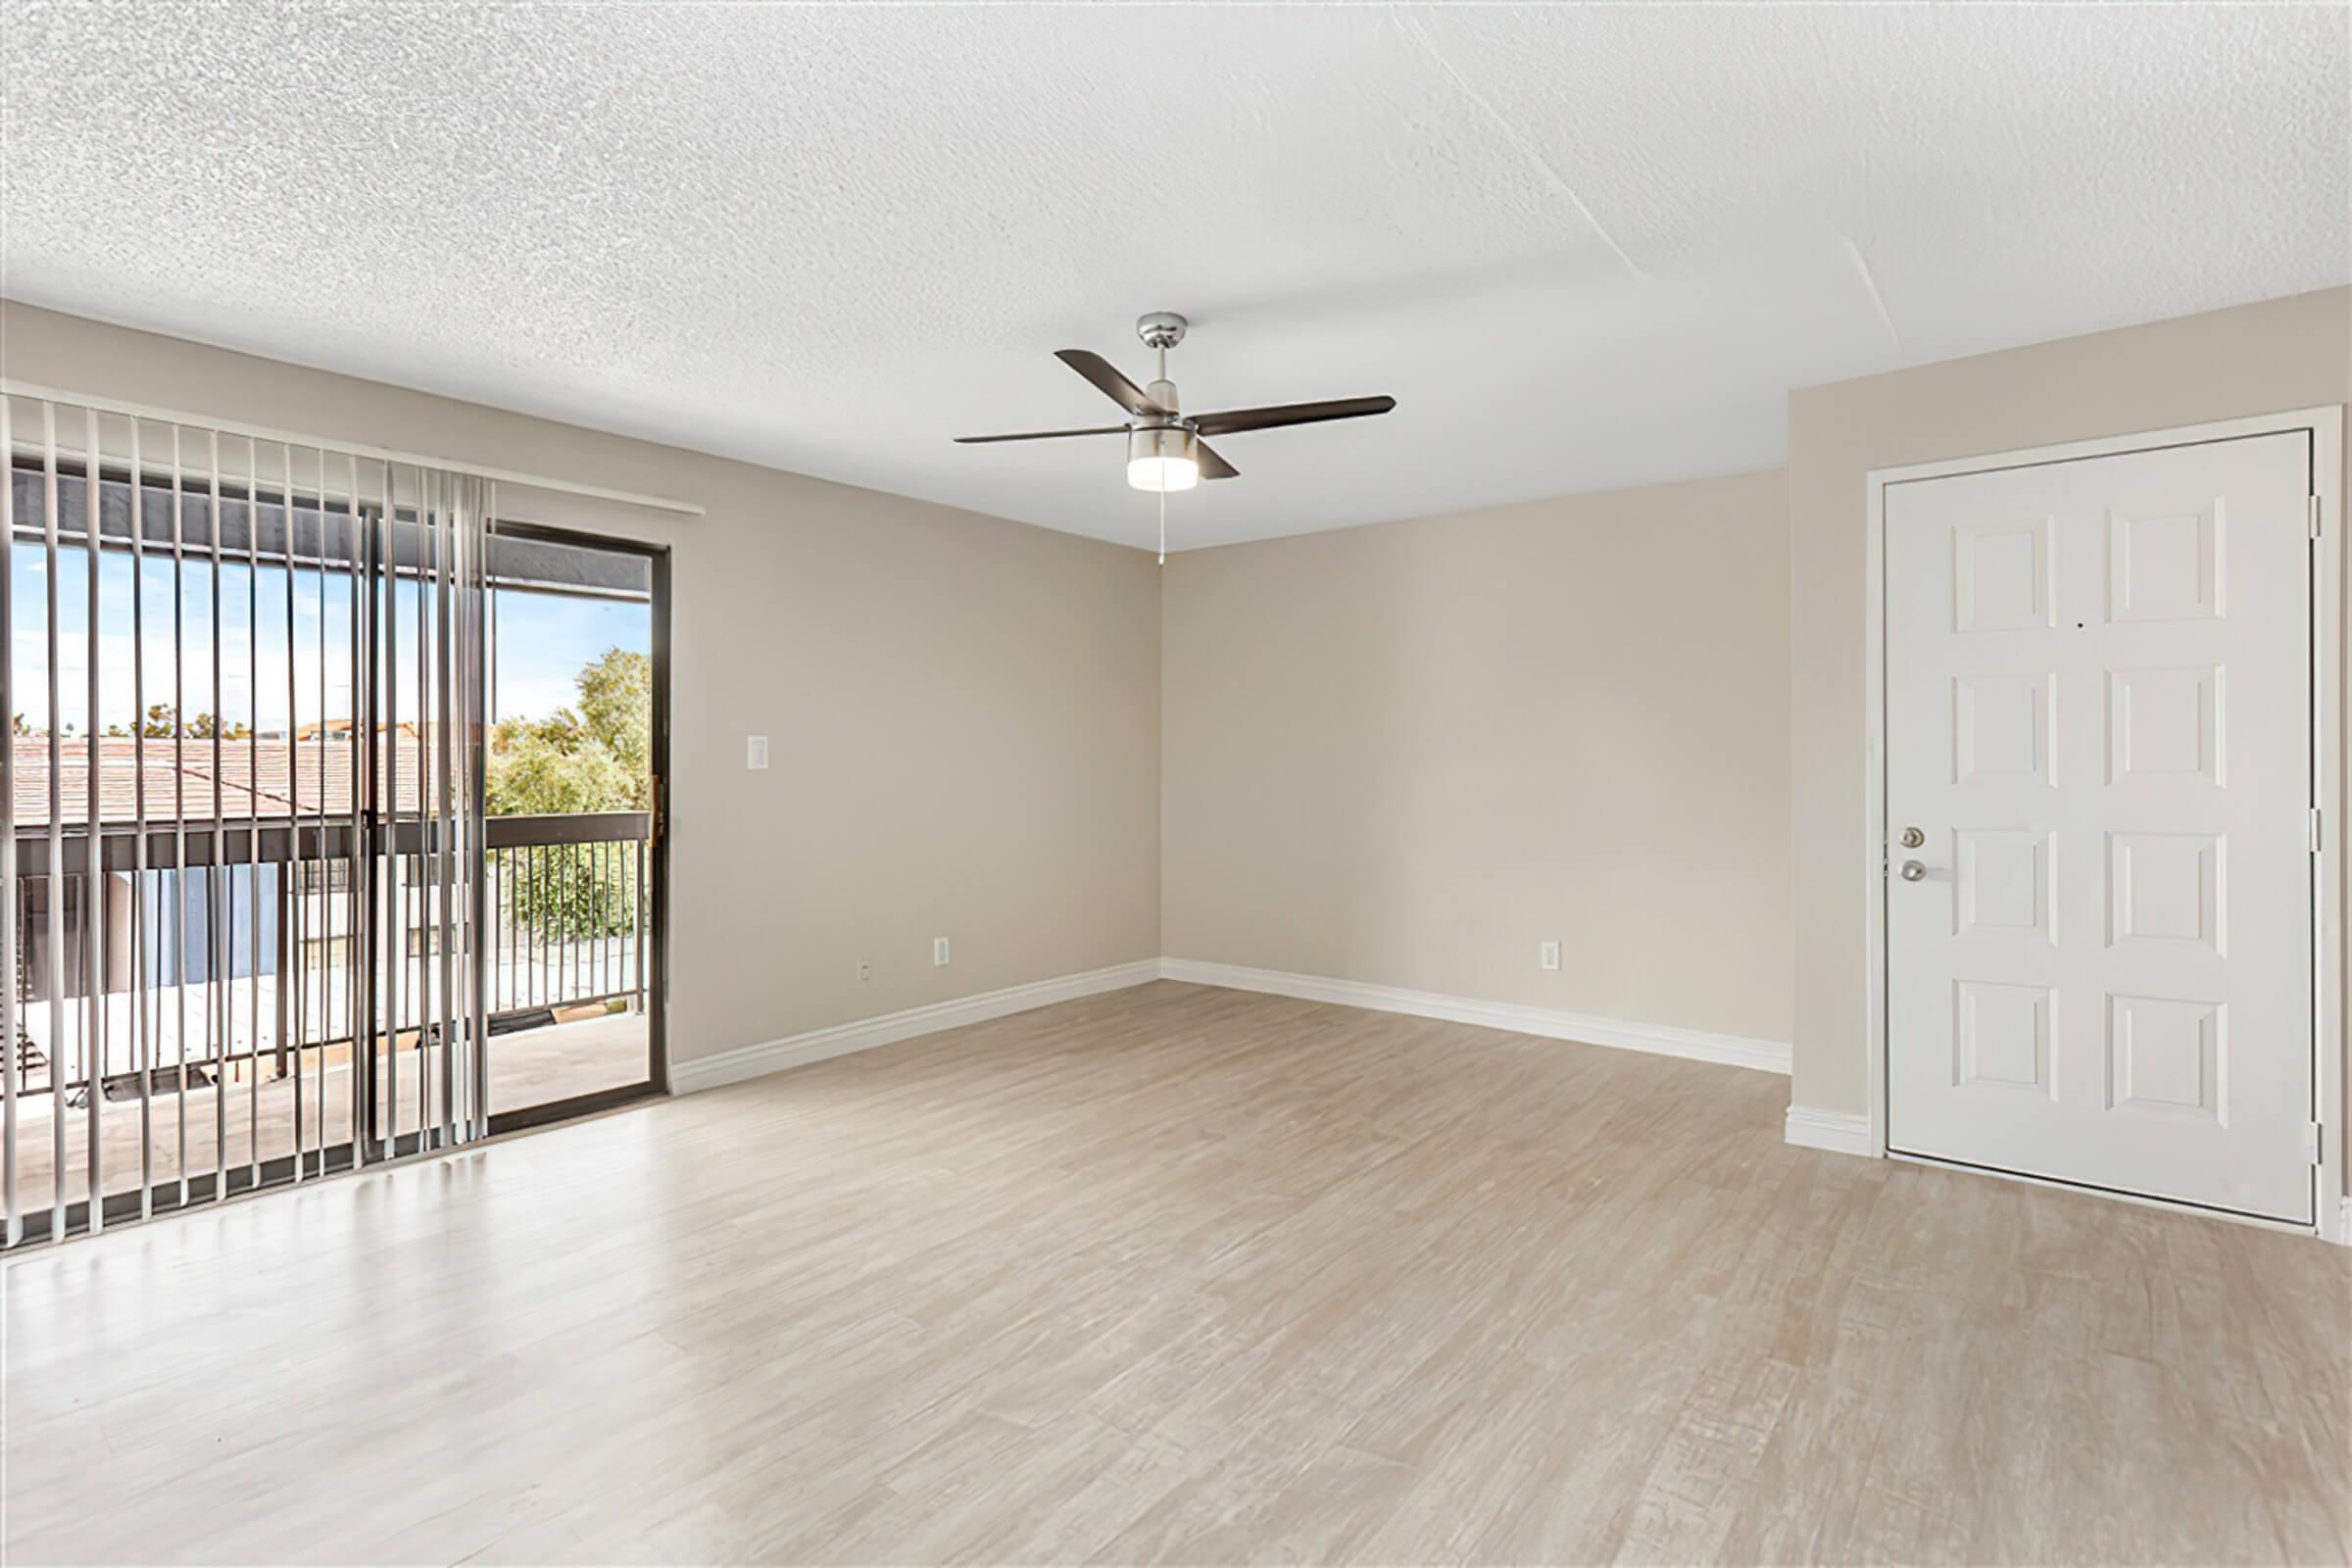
(1163, 528)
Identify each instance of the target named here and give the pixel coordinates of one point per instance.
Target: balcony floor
(529, 1068)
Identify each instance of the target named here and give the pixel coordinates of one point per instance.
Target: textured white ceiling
(1582, 247)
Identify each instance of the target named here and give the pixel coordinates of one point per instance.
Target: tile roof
(267, 777)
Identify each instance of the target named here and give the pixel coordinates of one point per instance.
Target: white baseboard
(863, 1034)
(1659, 1039)
(2344, 1222)
(1837, 1130)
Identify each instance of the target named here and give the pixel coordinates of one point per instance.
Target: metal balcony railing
(241, 950)
(570, 911)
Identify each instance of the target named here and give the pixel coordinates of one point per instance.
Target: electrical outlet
(938, 953)
(865, 968)
(1548, 956)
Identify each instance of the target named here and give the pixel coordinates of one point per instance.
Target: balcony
(220, 1036)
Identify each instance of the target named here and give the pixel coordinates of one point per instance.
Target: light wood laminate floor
(1181, 1274)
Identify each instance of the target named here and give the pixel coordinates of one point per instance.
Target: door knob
(1913, 872)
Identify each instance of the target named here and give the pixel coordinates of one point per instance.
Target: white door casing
(2097, 707)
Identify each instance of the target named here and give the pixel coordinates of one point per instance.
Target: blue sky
(543, 641)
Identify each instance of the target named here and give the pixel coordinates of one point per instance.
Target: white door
(2099, 723)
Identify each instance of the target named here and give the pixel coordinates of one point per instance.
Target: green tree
(597, 759)
(205, 727)
(553, 767)
(616, 706)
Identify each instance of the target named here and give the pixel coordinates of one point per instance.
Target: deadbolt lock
(1913, 837)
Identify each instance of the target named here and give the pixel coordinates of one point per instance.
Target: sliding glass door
(578, 726)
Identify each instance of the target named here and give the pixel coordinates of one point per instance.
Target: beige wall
(964, 711)
(1409, 753)
(2275, 356)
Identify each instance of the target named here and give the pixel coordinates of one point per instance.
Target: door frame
(2324, 426)
(656, 555)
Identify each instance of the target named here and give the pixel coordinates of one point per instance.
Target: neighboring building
(267, 778)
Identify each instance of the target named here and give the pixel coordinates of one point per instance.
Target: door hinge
(2315, 515)
(2311, 1142)
(2315, 830)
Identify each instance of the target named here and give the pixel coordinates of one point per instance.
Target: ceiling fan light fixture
(1162, 458)
(1164, 449)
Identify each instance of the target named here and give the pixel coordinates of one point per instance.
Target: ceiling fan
(1164, 449)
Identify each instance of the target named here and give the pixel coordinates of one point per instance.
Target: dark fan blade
(1042, 435)
(1116, 387)
(1234, 419)
(1213, 467)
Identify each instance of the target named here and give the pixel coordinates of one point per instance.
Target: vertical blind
(241, 832)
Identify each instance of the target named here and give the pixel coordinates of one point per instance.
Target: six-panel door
(2098, 717)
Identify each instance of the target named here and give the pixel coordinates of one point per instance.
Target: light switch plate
(754, 753)
(1548, 956)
